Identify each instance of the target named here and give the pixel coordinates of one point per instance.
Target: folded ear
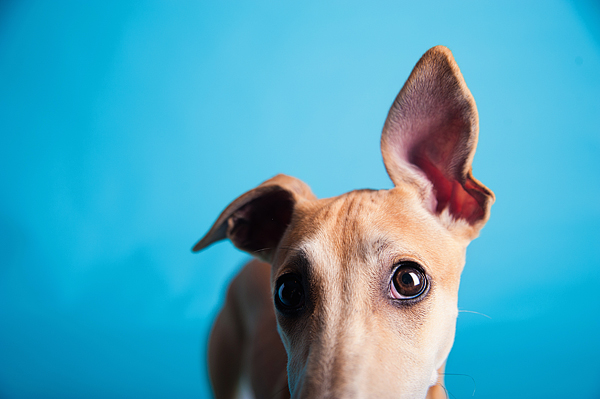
(429, 139)
(256, 221)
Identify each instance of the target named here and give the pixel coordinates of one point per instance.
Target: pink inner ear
(433, 126)
(462, 201)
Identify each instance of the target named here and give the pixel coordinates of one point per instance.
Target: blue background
(126, 127)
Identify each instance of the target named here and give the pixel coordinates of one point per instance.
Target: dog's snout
(343, 350)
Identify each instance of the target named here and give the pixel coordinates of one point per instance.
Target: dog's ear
(256, 221)
(429, 139)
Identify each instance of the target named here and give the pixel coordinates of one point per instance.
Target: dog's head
(365, 284)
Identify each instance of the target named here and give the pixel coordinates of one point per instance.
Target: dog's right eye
(289, 293)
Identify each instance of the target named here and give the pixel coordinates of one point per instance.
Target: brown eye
(408, 281)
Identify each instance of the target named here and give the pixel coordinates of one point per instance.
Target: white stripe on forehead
(339, 263)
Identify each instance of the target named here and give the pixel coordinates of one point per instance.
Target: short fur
(352, 339)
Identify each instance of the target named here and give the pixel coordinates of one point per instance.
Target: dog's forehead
(373, 227)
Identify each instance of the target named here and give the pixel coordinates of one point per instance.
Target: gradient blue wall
(127, 127)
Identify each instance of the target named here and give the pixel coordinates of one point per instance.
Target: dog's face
(365, 288)
(365, 284)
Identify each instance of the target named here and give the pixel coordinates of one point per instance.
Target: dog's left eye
(289, 293)
(408, 281)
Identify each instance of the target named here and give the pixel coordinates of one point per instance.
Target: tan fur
(351, 339)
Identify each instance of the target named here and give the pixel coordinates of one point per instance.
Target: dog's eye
(289, 293)
(408, 281)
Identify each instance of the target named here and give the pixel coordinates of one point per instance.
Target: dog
(356, 296)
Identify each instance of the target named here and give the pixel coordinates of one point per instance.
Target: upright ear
(429, 139)
(256, 221)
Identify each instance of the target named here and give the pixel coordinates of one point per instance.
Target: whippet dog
(356, 296)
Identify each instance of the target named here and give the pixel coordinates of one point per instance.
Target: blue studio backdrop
(126, 127)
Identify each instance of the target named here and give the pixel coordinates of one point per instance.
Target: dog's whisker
(279, 391)
(464, 375)
(471, 311)
(292, 249)
(284, 386)
(446, 391)
(261, 250)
